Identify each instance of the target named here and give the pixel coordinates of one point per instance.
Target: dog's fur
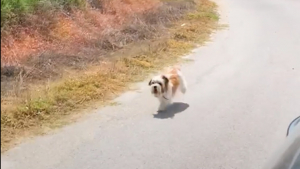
(165, 86)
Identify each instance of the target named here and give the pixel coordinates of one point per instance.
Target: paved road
(244, 89)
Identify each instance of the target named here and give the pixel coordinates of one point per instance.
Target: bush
(12, 11)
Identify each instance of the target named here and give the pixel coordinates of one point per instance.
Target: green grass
(13, 11)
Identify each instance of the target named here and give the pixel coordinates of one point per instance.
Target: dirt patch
(152, 39)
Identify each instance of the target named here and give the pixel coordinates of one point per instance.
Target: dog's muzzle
(155, 90)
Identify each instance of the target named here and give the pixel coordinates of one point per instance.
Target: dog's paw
(160, 111)
(161, 108)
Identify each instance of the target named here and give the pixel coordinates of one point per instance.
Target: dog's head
(159, 85)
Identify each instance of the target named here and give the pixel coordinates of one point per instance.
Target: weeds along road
(244, 89)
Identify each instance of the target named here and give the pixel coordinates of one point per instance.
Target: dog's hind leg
(183, 84)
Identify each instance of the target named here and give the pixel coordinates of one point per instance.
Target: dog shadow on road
(176, 107)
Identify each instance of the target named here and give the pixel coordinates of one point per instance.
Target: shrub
(12, 11)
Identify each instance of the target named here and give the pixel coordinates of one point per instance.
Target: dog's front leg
(161, 107)
(164, 104)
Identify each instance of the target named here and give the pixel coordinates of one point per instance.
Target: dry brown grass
(57, 29)
(48, 104)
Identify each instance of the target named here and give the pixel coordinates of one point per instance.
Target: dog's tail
(183, 84)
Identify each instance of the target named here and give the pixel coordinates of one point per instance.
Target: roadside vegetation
(15, 11)
(60, 56)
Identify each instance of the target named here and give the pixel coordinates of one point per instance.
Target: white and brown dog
(165, 86)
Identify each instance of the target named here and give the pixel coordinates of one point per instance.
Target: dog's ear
(150, 82)
(166, 80)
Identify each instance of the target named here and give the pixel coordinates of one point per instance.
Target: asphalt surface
(243, 90)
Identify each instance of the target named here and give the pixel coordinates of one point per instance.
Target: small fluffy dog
(166, 85)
